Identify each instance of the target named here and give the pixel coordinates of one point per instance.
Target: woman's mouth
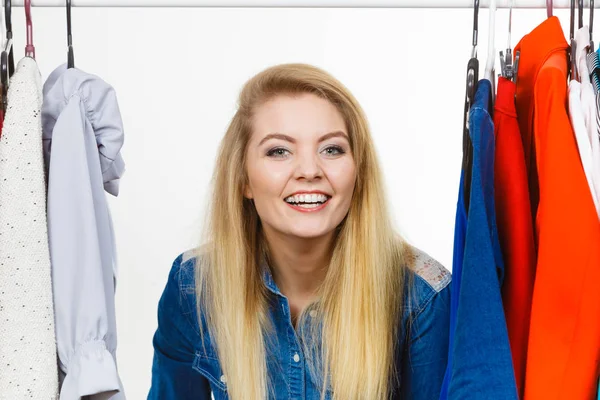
(308, 202)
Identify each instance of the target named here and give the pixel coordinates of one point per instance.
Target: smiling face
(301, 171)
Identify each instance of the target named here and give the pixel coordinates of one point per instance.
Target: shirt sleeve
(80, 235)
(426, 353)
(173, 377)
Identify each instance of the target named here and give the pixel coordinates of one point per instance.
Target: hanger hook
(8, 18)
(572, 26)
(510, 9)
(580, 9)
(591, 19)
(29, 48)
(475, 23)
(549, 7)
(70, 55)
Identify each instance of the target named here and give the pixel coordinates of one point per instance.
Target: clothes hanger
(9, 35)
(29, 48)
(471, 87)
(580, 9)
(573, 64)
(592, 56)
(7, 66)
(508, 69)
(591, 48)
(549, 7)
(70, 55)
(491, 58)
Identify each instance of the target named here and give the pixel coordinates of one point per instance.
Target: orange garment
(515, 226)
(564, 339)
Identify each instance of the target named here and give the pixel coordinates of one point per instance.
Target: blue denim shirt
(182, 370)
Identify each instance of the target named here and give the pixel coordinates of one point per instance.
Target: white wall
(177, 73)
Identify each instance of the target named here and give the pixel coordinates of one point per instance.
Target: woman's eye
(277, 152)
(334, 150)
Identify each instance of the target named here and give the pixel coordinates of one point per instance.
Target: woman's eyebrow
(290, 139)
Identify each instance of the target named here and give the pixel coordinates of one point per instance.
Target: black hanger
(70, 56)
(9, 35)
(7, 61)
(471, 87)
(580, 9)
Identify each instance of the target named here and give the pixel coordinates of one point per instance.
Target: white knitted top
(28, 365)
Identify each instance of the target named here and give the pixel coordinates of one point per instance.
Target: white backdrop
(178, 72)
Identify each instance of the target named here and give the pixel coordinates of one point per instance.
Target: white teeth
(309, 205)
(307, 198)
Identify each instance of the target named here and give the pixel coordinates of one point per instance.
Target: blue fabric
(460, 231)
(184, 369)
(480, 352)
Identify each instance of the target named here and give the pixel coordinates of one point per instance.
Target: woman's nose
(308, 167)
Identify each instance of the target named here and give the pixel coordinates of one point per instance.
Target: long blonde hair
(361, 298)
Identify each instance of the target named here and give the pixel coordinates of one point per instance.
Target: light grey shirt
(82, 139)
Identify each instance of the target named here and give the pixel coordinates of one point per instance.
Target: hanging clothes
(83, 135)
(564, 339)
(482, 364)
(460, 231)
(28, 367)
(583, 143)
(593, 63)
(589, 113)
(515, 226)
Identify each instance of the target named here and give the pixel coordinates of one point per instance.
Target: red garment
(564, 339)
(515, 226)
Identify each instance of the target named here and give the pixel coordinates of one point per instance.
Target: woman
(302, 272)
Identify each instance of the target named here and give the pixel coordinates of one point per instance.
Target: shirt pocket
(209, 367)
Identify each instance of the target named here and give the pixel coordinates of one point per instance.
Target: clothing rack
(303, 3)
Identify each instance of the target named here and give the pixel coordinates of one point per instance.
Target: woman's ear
(248, 192)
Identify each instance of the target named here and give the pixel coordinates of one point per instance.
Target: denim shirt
(184, 370)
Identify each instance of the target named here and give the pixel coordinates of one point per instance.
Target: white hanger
(491, 56)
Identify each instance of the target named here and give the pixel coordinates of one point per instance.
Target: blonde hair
(361, 298)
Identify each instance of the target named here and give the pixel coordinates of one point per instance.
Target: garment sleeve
(173, 377)
(426, 352)
(82, 265)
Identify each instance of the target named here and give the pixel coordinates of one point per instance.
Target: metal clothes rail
(301, 3)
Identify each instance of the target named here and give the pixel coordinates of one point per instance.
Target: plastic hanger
(549, 7)
(29, 48)
(491, 56)
(7, 63)
(580, 9)
(70, 55)
(508, 69)
(2, 29)
(471, 87)
(573, 64)
(9, 35)
(592, 56)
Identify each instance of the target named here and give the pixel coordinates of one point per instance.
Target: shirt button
(223, 379)
(296, 357)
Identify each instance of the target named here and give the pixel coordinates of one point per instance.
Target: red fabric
(564, 339)
(515, 226)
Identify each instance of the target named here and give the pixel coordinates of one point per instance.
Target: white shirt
(589, 111)
(82, 138)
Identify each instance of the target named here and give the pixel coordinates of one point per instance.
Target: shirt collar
(268, 277)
